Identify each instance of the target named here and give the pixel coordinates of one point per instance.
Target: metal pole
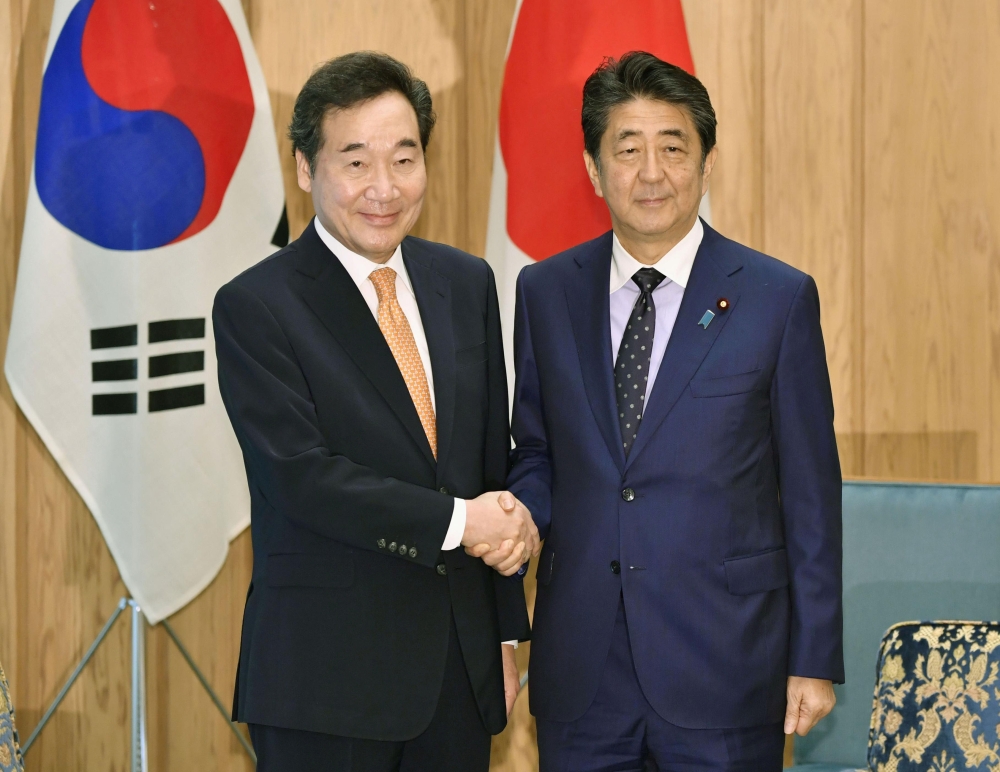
(76, 674)
(208, 688)
(138, 745)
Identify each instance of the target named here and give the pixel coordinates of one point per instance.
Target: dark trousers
(620, 732)
(455, 741)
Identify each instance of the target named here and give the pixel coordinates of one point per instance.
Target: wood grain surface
(857, 142)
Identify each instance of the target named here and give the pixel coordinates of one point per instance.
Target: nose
(651, 171)
(382, 187)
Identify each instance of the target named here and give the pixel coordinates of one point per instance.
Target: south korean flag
(156, 180)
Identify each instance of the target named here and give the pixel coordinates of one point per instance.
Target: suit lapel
(336, 300)
(712, 277)
(587, 298)
(433, 292)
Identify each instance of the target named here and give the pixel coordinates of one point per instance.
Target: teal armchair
(911, 551)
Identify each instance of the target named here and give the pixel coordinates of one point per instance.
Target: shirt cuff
(510, 643)
(453, 538)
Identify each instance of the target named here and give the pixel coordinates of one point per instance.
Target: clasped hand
(499, 529)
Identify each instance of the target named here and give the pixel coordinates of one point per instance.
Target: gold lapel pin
(723, 304)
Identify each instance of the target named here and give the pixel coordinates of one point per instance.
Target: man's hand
(499, 527)
(511, 678)
(809, 700)
(511, 554)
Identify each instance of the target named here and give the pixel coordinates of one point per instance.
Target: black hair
(640, 75)
(347, 81)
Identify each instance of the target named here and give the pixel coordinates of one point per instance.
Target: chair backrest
(937, 698)
(10, 753)
(911, 551)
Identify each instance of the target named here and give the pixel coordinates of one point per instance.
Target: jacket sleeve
(810, 489)
(272, 412)
(512, 609)
(530, 476)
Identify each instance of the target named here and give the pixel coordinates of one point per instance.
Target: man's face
(370, 177)
(651, 174)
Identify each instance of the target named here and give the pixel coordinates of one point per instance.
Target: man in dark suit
(363, 373)
(673, 424)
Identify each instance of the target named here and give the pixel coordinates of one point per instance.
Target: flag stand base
(138, 753)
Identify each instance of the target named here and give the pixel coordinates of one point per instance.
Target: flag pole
(138, 754)
(139, 738)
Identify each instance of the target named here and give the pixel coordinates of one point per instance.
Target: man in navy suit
(363, 373)
(673, 423)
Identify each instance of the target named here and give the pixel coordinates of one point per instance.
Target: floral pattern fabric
(937, 699)
(10, 754)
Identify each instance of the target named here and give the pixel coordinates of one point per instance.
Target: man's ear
(303, 172)
(706, 168)
(594, 173)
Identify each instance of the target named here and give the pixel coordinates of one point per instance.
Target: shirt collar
(358, 266)
(675, 265)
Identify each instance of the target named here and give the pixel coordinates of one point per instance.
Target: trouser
(621, 732)
(455, 741)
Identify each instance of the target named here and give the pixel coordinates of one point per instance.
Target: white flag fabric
(156, 180)
(541, 200)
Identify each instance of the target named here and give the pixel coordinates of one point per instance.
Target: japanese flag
(541, 200)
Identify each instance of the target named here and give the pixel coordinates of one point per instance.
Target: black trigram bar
(115, 370)
(176, 329)
(171, 364)
(114, 404)
(171, 399)
(114, 337)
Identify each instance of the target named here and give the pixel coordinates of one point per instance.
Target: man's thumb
(792, 713)
(507, 501)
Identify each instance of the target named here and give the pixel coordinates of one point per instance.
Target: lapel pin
(723, 304)
(707, 319)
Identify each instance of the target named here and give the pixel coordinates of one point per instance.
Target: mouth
(380, 219)
(651, 202)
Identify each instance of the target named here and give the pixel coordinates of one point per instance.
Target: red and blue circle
(145, 112)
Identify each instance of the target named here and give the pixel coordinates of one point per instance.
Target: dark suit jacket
(724, 523)
(341, 634)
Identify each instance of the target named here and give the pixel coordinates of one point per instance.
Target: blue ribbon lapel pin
(707, 319)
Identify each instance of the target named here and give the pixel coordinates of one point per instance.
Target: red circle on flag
(551, 204)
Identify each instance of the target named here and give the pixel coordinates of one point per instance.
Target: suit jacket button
(402, 549)
(381, 544)
(392, 546)
(443, 490)
(413, 552)
(441, 568)
(628, 494)
(616, 567)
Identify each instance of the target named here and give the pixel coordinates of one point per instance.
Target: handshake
(499, 529)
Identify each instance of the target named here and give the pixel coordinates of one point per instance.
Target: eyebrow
(351, 146)
(626, 133)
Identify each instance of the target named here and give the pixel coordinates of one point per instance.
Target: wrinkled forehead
(386, 122)
(648, 119)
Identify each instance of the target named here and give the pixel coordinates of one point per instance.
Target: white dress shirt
(360, 269)
(676, 267)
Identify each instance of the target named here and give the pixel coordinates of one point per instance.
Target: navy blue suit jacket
(346, 626)
(722, 528)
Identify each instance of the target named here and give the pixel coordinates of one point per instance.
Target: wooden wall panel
(857, 141)
(727, 45)
(812, 172)
(932, 223)
(10, 49)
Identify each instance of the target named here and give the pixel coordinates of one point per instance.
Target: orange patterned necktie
(399, 336)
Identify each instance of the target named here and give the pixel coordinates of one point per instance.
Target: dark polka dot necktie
(632, 366)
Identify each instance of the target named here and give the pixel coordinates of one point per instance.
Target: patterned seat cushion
(10, 754)
(937, 698)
